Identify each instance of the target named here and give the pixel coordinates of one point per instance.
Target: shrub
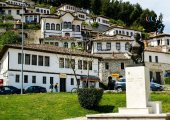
(167, 80)
(34, 26)
(89, 98)
(7, 26)
(95, 24)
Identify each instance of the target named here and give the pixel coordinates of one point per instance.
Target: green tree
(9, 37)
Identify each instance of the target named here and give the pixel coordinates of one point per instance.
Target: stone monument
(138, 104)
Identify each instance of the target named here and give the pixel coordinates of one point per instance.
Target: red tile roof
(48, 49)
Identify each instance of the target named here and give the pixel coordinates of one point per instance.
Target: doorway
(158, 77)
(62, 84)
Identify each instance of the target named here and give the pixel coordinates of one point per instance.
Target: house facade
(114, 30)
(44, 65)
(158, 40)
(112, 49)
(64, 25)
(157, 60)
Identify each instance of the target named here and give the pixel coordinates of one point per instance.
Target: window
(33, 79)
(69, 25)
(79, 64)
(108, 46)
(122, 66)
(158, 42)
(78, 81)
(127, 33)
(18, 12)
(67, 34)
(47, 61)
(127, 46)
(17, 78)
(47, 26)
(72, 63)
(78, 28)
(106, 65)
(73, 27)
(27, 59)
(72, 44)
(48, 12)
(167, 41)
(84, 65)
(117, 46)
(123, 32)
(120, 32)
(67, 64)
(72, 81)
(9, 12)
(44, 11)
(131, 34)
(65, 44)
(57, 26)
(156, 59)
(37, 10)
(44, 80)
(52, 26)
(151, 75)
(51, 80)
(150, 58)
(99, 46)
(34, 59)
(90, 65)
(40, 60)
(116, 31)
(25, 78)
(56, 43)
(61, 63)
(65, 25)
(19, 58)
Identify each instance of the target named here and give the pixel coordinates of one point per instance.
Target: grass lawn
(57, 106)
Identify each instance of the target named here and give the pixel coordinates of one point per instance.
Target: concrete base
(117, 116)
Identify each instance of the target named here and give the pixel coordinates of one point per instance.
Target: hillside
(121, 13)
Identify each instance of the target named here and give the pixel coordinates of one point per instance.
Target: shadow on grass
(104, 109)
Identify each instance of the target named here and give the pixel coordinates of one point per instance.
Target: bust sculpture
(136, 50)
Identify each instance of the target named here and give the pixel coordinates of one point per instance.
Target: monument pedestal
(138, 106)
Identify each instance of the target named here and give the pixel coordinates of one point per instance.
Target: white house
(13, 11)
(114, 30)
(64, 25)
(159, 40)
(157, 60)
(110, 44)
(45, 64)
(102, 20)
(18, 3)
(42, 10)
(112, 49)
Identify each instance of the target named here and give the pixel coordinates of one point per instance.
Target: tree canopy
(9, 37)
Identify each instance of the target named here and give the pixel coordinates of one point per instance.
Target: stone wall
(114, 67)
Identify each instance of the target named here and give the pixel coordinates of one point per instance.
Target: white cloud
(159, 6)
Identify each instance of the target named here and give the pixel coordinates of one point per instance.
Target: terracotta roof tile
(48, 49)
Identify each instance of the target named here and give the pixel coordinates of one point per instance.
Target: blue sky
(159, 6)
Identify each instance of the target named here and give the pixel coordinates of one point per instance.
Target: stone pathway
(78, 118)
